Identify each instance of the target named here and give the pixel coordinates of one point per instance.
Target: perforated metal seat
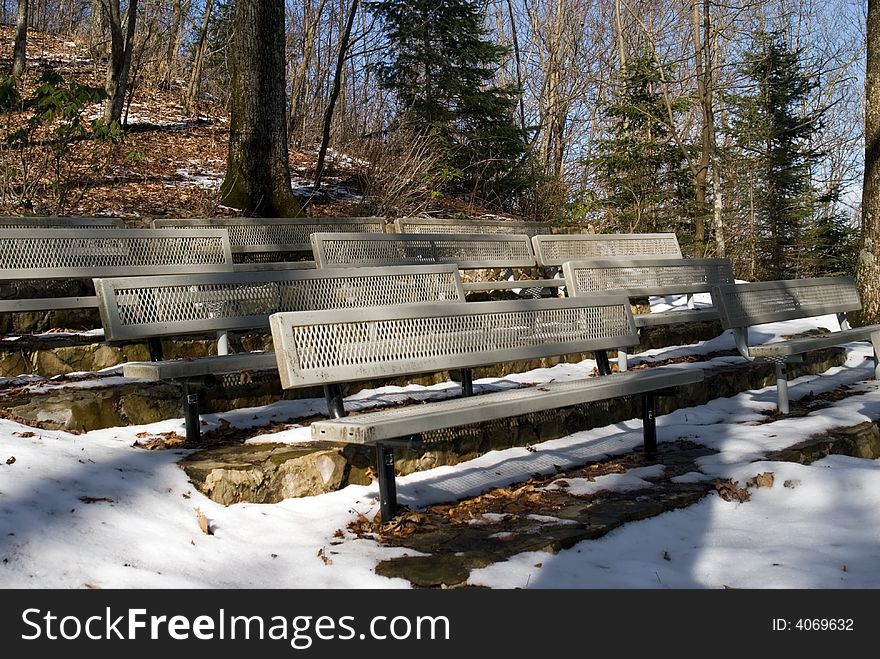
(320, 347)
(269, 241)
(742, 306)
(64, 254)
(557, 249)
(437, 225)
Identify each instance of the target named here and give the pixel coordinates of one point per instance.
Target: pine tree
(440, 66)
(641, 172)
(774, 130)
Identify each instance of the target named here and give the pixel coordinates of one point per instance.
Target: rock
(859, 441)
(265, 473)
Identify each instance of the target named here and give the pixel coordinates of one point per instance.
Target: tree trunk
(192, 90)
(704, 92)
(869, 252)
(300, 76)
(121, 48)
(18, 51)
(257, 170)
(334, 93)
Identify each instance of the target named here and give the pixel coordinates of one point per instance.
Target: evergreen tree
(440, 66)
(774, 131)
(641, 171)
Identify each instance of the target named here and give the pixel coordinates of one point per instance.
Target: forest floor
(169, 164)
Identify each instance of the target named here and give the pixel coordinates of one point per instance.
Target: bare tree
(18, 51)
(869, 253)
(201, 46)
(121, 49)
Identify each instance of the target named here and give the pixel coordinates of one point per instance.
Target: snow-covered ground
(92, 510)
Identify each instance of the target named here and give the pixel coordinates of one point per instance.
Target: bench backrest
(465, 250)
(261, 239)
(742, 305)
(643, 277)
(55, 222)
(449, 225)
(317, 347)
(136, 308)
(87, 253)
(557, 249)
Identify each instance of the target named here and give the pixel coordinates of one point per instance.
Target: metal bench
(65, 254)
(56, 222)
(639, 278)
(453, 226)
(553, 251)
(322, 348)
(469, 251)
(138, 308)
(743, 306)
(275, 243)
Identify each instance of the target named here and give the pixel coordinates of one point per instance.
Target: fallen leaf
(25, 434)
(92, 586)
(764, 479)
(96, 499)
(324, 557)
(203, 522)
(10, 460)
(666, 556)
(791, 483)
(728, 491)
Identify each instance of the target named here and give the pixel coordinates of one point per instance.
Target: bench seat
(800, 345)
(674, 317)
(385, 425)
(179, 369)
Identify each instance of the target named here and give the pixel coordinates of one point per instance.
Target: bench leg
(602, 363)
(467, 382)
(875, 341)
(191, 414)
(222, 343)
(649, 423)
(622, 364)
(782, 387)
(335, 401)
(387, 484)
(154, 345)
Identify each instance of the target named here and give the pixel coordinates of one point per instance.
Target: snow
(78, 509)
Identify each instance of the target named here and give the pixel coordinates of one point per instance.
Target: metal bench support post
(602, 363)
(191, 414)
(649, 422)
(622, 357)
(875, 342)
(467, 382)
(154, 345)
(335, 401)
(782, 387)
(387, 484)
(223, 343)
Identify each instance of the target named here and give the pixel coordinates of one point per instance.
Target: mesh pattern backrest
(557, 249)
(277, 234)
(742, 305)
(55, 222)
(647, 276)
(58, 253)
(133, 308)
(465, 250)
(448, 225)
(316, 347)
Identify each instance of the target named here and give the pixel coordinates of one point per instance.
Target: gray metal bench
(135, 308)
(743, 306)
(65, 254)
(321, 348)
(453, 226)
(469, 251)
(639, 278)
(56, 222)
(275, 243)
(554, 250)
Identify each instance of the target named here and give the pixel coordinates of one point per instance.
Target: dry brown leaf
(323, 556)
(203, 522)
(25, 434)
(764, 479)
(728, 491)
(10, 460)
(92, 586)
(86, 499)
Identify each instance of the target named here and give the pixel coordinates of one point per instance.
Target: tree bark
(869, 251)
(121, 47)
(257, 170)
(18, 51)
(300, 76)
